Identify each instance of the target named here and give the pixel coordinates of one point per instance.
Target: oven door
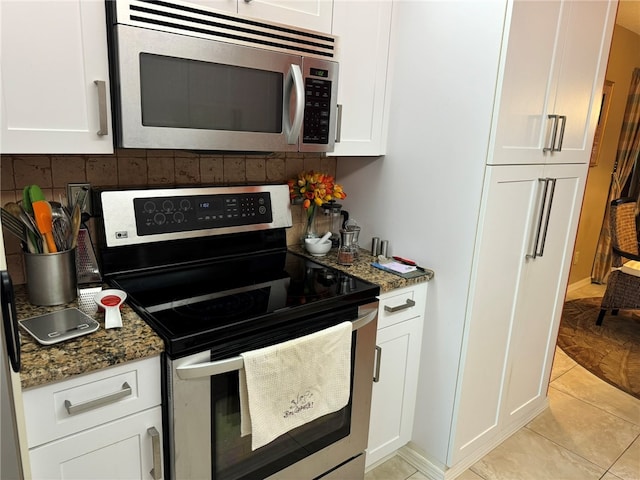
(204, 422)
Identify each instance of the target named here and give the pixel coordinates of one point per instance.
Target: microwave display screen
(316, 72)
(183, 93)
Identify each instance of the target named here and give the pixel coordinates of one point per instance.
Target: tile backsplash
(128, 167)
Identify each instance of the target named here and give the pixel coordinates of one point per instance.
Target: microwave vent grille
(195, 20)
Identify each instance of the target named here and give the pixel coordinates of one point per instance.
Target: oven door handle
(208, 369)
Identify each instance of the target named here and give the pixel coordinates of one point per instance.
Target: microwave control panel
(200, 212)
(317, 108)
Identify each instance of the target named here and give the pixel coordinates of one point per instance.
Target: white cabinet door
(555, 63)
(309, 14)
(541, 297)
(363, 29)
(587, 28)
(517, 298)
(508, 217)
(393, 397)
(52, 53)
(122, 449)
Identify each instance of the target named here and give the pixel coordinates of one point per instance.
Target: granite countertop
(41, 364)
(363, 269)
(103, 348)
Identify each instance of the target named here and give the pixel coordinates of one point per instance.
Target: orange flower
(314, 189)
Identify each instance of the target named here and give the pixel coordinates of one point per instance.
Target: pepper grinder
(346, 251)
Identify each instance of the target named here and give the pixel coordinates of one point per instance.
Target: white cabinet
(54, 78)
(308, 14)
(517, 300)
(106, 424)
(549, 102)
(118, 450)
(400, 320)
(363, 30)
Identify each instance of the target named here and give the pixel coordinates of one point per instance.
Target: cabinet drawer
(401, 304)
(55, 410)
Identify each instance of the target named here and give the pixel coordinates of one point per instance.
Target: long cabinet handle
(409, 303)
(563, 120)
(545, 214)
(98, 402)
(552, 181)
(102, 107)
(376, 375)
(554, 132)
(339, 124)
(156, 471)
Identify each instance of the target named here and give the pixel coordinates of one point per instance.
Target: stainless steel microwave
(185, 76)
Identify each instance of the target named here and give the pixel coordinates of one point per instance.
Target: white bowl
(316, 248)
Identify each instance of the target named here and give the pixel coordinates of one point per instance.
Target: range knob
(159, 218)
(167, 206)
(149, 206)
(178, 217)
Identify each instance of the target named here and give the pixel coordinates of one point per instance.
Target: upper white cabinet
(309, 14)
(54, 77)
(549, 102)
(363, 29)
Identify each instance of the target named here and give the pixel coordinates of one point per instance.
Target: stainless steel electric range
(208, 269)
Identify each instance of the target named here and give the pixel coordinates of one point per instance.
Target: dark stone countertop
(363, 269)
(42, 364)
(103, 348)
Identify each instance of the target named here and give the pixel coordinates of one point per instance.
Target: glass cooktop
(213, 305)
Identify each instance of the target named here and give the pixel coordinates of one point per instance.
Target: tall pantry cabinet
(547, 109)
(493, 109)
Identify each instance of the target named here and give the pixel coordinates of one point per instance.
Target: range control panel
(172, 214)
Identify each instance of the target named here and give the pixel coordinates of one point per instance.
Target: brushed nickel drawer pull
(376, 375)
(102, 107)
(98, 402)
(156, 471)
(410, 303)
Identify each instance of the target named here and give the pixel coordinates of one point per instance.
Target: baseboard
(579, 284)
(435, 471)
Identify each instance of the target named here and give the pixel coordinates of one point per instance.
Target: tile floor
(590, 431)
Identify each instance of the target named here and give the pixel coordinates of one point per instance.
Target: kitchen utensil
(75, 224)
(14, 225)
(51, 277)
(346, 251)
(59, 326)
(110, 300)
(317, 249)
(44, 220)
(62, 229)
(338, 217)
(34, 239)
(76, 215)
(322, 239)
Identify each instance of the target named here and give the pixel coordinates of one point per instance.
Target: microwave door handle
(294, 81)
(208, 369)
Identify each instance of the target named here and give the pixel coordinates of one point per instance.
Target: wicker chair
(623, 285)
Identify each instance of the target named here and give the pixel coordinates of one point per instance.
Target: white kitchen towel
(294, 382)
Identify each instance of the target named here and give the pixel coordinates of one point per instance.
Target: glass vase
(310, 230)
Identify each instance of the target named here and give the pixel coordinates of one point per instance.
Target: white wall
(424, 195)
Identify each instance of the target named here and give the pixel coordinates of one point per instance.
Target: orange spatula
(44, 220)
